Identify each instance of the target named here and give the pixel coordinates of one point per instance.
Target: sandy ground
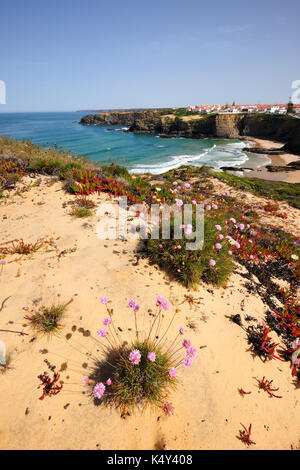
(277, 160)
(79, 266)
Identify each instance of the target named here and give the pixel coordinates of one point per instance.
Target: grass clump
(47, 320)
(81, 212)
(190, 267)
(140, 372)
(142, 384)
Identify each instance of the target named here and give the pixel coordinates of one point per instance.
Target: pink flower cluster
(161, 302)
(135, 356)
(101, 333)
(191, 352)
(99, 390)
(132, 304)
(151, 356)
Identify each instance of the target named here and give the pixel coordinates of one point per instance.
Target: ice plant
(245, 436)
(266, 385)
(50, 386)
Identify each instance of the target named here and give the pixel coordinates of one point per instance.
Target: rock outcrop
(285, 129)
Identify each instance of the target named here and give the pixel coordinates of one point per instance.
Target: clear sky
(96, 54)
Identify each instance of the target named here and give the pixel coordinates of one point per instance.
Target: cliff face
(283, 129)
(120, 118)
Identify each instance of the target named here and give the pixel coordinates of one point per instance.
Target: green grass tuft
(80, 212)
(145, 384)
(47, 320)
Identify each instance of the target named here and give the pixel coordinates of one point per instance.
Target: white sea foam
(217, 156)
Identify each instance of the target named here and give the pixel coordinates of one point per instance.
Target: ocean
(140, 153)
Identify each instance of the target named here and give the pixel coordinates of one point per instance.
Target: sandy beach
(78, 265)
(277, 160)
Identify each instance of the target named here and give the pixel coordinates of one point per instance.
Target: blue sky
(74, 54)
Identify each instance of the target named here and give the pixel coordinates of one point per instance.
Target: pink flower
(218, 227)
(221, 236)
(85, 380)
(237, 245)
(218, 246)
(26, 308)
(104, 300)
(175, 183)
(101, 333)
(151, 356)
(241, 226)
(187, 185)
(98, 390)
(160, 246)
(186, 343)
(191, 351)
(182, 226)
(179, 202)
(108, 382)
(132, 303)
(188, 231)
(214, 206)
(106, 321)
(194, 202)
(172, 372)
(181, 330)
(187, 361)
(229, 252)
(207, 207)
(161, 302)
(212, 262)
(251, 257)
(232, 220)
(135, 356)
(168, 408)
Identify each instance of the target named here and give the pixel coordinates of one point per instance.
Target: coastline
(277, 160)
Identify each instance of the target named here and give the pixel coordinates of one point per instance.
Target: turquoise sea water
(140, 153)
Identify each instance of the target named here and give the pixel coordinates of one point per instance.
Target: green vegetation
(279, 190)
(146, 383)
(47, 319)
(190, 267)
(81, 212)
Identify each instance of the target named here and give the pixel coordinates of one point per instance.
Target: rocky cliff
(283, 129)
